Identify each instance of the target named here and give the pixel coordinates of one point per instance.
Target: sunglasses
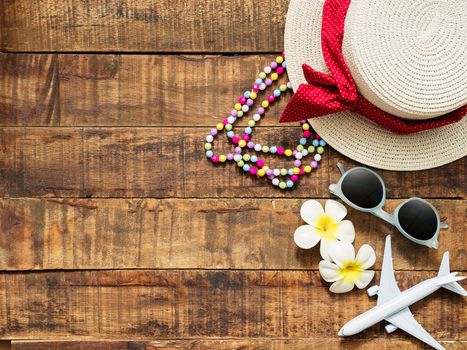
(364, 190)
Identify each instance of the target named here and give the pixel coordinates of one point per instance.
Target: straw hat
(408, 58)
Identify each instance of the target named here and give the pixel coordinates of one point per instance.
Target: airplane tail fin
(451, 283)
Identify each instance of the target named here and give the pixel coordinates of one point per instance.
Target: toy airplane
(393, 305)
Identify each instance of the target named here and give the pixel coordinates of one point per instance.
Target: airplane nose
(341, 332)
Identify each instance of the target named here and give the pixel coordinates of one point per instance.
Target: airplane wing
(388, 288)
(405, 321)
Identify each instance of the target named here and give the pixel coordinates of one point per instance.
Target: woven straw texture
(419, 76)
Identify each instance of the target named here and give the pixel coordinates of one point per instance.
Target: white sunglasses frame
(378, 211)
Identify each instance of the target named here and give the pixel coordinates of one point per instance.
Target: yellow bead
(279, 59)
(261, 172)
(282, 185)
(253, 95)
(274, 76)
(242, 143)
(307, 169)
(265, 104)
(222, 158)
(296, 171)
(220, 126)
(238, 106)
(288, 152)
(306, 127)
(265, 168)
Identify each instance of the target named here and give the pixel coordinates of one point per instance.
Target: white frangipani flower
(348, 270)
(325, 225)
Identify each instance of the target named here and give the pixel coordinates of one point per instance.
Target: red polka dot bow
(326, 94)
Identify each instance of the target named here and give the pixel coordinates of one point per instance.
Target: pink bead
(318, 137)
(306, 133)
(242, 100)
(215, 158)
(280, 151)
(253, 171)
(255, 88)
(260, 163)
(235, 139)
(271, 98)
(246, 137)
(225, 122)
(302, 171)
(250, 144)
(280, 70)
(294, 178)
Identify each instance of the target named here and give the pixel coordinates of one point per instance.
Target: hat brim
(351, 134)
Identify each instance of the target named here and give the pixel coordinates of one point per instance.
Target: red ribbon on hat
(326, 94)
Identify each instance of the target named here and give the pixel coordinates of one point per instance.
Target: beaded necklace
(251, 164)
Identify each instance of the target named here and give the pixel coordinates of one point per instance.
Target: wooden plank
(175, 304)
(119, 90)
(144, 25)
(28, 89)
(235, 344)
(185, 234)
(170, 162)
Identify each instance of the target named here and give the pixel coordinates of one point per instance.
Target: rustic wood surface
(115, 233)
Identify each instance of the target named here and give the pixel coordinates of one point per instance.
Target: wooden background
(116, 233)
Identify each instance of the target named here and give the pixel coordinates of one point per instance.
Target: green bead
(262, 75)
(251, 123)
(241, 164)
(320, 150)
(283, 87)
(246, 157)
(311, 149)
(207, 146)
(265, 149)
(300, 148)
(284, 172)
(240, 114)
(228, 127)
(282, 185)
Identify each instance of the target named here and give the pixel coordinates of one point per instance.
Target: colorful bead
(245, 161)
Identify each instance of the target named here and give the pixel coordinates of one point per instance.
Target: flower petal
(341, 286)
(329, 271)
(366, 256)
(310, 211)
(306, 237)
(342, 252)
(345, 231)
(335, 209)
(364, 279)
(325, 247)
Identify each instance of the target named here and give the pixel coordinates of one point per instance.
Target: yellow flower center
(327, 226)
(351, 270)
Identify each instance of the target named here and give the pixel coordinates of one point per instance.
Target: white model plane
(393, 305)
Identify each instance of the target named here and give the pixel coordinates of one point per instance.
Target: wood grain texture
(144, 25)
(131, 90)
(191, 303)
(185, 234)
(29, 87)
(235, 344)
(170, 162)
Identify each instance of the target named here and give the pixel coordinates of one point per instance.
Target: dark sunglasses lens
(363, 188)
(418, 219)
